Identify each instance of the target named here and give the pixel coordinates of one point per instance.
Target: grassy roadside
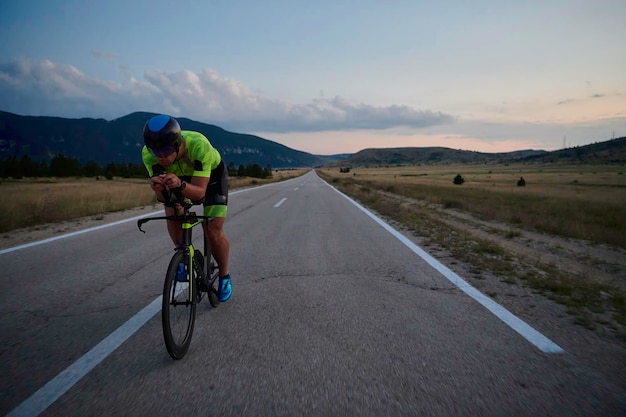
(419, 204)
(31, 202)
(582, 202)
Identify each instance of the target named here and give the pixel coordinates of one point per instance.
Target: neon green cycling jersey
(199, 159)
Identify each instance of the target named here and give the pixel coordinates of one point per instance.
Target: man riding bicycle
(185, 161)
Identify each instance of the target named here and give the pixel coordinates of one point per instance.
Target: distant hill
(120, 141)
(609, 152)
(429, 155)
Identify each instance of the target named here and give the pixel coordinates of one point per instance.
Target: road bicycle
(180, 297)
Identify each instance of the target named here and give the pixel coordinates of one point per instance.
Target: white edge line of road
(45, 396)
(524, 329)
(79, 232)
(93, 229)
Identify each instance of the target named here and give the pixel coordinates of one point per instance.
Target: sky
(329, 76)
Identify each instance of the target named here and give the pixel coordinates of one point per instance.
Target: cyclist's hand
(171, 181)
(156, 183)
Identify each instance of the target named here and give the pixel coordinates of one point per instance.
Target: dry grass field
(33, 202)
(562, 235)
(585, 202)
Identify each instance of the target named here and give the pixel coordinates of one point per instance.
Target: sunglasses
(162, 152)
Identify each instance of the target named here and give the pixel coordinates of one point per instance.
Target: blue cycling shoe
(181, 275)
(225, 289)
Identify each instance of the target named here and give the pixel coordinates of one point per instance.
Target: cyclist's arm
(158, 186)
(194, 190)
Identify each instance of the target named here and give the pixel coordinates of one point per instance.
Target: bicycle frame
(188, 220)
(188, 248)
(201, 276)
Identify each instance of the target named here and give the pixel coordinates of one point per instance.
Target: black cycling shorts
(215, 199)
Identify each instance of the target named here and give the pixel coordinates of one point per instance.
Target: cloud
(338, 114)
(47, 88)
(593, 96)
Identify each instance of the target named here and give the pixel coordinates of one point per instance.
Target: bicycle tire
(178, 312)
(212, 274)
(198, 269)
(212, 277)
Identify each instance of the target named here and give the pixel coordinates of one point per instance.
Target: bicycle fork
(189, 256)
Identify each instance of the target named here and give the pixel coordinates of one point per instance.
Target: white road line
(280, 202)
(92, 229)
(524, 329)
(295, 189)
(49, 393)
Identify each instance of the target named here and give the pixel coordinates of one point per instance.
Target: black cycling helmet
(161, 135)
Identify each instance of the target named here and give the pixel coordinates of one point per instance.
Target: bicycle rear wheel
(212, 278)
(212, 273)
(208, 278)
(178, 312)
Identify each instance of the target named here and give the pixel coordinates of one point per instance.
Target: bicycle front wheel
(178, 312)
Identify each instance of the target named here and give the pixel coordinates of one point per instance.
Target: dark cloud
(47, 88)
(339, 114)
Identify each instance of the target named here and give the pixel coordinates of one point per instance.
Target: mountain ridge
(607, 152)
(120, 140)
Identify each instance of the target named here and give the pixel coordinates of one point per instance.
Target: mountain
(120, 141)
(608, 152)
(430, 155)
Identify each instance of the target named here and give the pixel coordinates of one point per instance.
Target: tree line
(64, 166)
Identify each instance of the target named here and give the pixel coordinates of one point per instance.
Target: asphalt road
(331, 315)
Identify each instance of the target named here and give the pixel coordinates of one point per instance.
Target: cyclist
(186, 161)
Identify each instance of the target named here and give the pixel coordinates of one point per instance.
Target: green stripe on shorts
(215, 211)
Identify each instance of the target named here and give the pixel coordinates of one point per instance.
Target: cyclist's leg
(175, 231)
(220, 246)
(215, 201)
(216, 205)
(174, 228)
